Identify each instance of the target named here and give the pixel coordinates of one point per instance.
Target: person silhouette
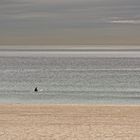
(35, 90)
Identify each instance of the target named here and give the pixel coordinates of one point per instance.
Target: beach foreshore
(69, 122)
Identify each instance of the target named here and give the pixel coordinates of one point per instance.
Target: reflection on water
(69, 78)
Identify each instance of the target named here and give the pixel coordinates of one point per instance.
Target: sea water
(68, 77)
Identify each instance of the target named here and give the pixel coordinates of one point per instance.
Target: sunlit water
(70, 77)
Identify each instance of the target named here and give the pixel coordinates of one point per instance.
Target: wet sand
(69, 122)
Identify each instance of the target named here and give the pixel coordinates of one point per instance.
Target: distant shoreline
(131, 53)
(72, 50)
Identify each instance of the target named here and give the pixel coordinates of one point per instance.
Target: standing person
(36, 89)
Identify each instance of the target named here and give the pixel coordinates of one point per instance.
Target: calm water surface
(70, 77)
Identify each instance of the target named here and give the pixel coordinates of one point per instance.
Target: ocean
(70, 77)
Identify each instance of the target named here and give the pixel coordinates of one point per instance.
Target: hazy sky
(69, 22)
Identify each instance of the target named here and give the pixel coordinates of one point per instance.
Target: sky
(69, 22)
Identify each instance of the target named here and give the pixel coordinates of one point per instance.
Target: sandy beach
(69, 122)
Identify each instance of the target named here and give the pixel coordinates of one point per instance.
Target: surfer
(35, 90)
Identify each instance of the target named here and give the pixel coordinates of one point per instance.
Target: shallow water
(70, 77)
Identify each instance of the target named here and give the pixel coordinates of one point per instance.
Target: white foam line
(93, 69)
(125, 21)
